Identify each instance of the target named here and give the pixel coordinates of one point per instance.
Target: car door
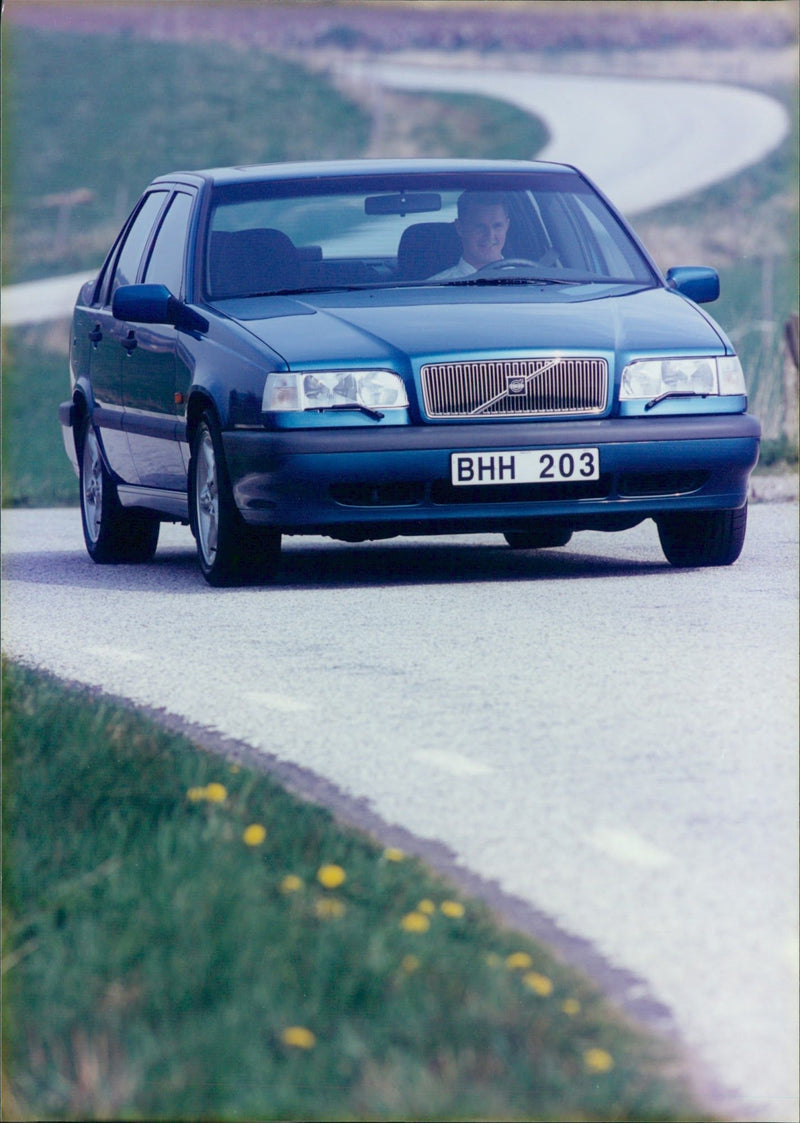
(150, 367)
(107, 338)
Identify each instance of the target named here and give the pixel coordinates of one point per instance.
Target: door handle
(95, 335)
(129, 342)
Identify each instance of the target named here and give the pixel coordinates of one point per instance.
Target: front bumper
(371, 482)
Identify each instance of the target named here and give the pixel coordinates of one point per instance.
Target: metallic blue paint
(355, 475)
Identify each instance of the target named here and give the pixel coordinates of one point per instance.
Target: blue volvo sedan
(382, 347)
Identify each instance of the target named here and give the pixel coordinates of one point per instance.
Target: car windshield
(267, 237)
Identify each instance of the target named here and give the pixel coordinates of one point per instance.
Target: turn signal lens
(280, 393)
(731, 375)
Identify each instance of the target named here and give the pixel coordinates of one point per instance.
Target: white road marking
(272, 700)
(629, 847)
(114, 654)
(455, 763)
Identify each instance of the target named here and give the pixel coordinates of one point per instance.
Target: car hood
(391, 326)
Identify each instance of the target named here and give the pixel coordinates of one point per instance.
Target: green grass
(35, 468)
(198, 104)
(149, 108)
(166, 106)
(457, 125)
(163, 106)
(153, 960)
(747, 226)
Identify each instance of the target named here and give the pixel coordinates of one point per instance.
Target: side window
(101, 285)
(135, 241)
(165, 266)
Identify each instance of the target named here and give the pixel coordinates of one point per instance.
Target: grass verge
(35, 468)
(184, 939)
(76, 163)
(747, 226)
(175, 104)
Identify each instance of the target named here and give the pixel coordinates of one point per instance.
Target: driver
(482, 226)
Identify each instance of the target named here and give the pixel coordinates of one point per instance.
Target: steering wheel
(505, 264)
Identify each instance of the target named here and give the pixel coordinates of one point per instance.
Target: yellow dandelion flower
(493, 959)
(519, 959)
(539, 984)
(426, 906)
(415, 922)
(291, 884)
(196, 794)
(598, 1060)
(216, 793)
(410, 964)
(453, 909)
(328, 907)
(254, 835)
(392, 854)
(299, 1037)
(571, 1006)
(331, 876)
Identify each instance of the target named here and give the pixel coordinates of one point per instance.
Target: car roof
(324, 169)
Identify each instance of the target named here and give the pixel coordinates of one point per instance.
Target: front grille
(494, 388)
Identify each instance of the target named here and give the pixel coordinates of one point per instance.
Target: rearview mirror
(155, 304)
(402, 204)
(698, 282)
(144, 304)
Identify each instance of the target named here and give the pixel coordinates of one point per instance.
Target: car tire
(702, 538)
(113, 534)
(538, 538)
(229, 551)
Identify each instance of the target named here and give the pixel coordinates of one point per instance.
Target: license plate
(526, 466)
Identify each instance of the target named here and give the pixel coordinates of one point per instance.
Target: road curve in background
(643, 141)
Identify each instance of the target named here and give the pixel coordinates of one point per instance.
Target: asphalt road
(644, 141)
(604, 747)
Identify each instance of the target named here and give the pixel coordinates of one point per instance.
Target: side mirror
(698, 282)
(155, 304)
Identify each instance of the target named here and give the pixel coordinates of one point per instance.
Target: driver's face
(483, 234)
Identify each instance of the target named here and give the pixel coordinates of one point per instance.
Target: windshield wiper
(674, 394)
(375, 414)
(511, 281)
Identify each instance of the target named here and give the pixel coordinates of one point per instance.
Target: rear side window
(136, 240)
(165, 265)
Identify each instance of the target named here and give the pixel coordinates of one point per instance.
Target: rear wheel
(538, 538)
(113, 534)
(700, 538)
(229, 551)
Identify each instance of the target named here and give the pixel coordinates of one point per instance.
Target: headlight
(328, 389)
(650, 378)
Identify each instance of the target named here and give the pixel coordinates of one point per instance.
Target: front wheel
(229, 551)
(701, 538)
(113, 534)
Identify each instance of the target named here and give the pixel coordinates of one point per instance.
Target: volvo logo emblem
(516, 384)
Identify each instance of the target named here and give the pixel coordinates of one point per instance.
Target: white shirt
(462, 268)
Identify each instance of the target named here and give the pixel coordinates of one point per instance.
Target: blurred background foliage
(99, 98)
